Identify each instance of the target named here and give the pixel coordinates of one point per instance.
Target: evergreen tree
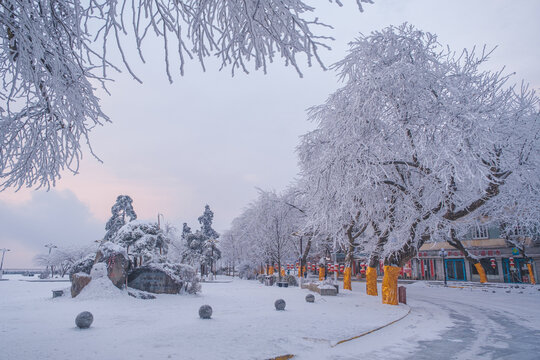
(120, 210)
(186, 230)
(206, 223)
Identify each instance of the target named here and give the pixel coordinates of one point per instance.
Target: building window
(480, 232)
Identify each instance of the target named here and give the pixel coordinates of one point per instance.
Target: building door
(455, 269)
(512, 274)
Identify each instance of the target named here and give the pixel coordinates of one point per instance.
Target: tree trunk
(371, 281)
(531, 274)
(389, 285)
(303, 260)
(347, 278)
(371, 272)
(349, 258)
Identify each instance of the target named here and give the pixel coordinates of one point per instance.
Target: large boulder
(116, 260)
(78, 282)
(164, 278)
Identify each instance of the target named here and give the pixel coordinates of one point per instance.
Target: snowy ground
(460, 323)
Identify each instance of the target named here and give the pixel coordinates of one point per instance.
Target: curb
(290, 356)
(373, 330)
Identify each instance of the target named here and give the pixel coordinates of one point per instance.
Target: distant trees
(264, 232)
(64, 258)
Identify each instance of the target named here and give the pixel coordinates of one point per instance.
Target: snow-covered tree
(209, 251)
(145, 241)
(265, 232)
(206, 223)
(63, 259)
(193, 248)
(52, 53)
(120, 210)
(418, 143)
(186, 230)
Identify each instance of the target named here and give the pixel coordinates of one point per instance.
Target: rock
(115, 258)
(280, 304)
(84, 320)
(153, 280)
(78, 282)
(310, 298)
(205, 312)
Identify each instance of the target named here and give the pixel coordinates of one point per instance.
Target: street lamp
(2, 263)
(443, 254)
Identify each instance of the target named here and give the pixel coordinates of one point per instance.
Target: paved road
(479, 331)
(461, 324)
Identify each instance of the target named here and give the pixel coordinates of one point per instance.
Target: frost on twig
(53, 53)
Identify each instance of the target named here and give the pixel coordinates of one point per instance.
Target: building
(499, 258)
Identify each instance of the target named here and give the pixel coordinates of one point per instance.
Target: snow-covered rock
(78, 282)
(165, 278)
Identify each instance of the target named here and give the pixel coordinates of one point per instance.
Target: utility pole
(51, 246)
(2, 263)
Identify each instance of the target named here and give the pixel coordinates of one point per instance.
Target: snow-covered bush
(247, 270)
(291, 280)
(143, 239)
(83, 265)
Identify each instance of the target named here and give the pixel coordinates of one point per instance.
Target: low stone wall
(324, 292)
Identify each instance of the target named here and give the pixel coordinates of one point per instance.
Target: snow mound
(99, 288)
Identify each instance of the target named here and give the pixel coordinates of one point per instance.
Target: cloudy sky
(210, 138)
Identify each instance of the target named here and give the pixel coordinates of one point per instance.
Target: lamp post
(2, 263)
(50, 246)
(443, 254)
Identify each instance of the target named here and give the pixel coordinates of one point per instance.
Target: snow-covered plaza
(459, 322)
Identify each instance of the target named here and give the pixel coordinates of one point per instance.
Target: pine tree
(206, 223)
(120, 210)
